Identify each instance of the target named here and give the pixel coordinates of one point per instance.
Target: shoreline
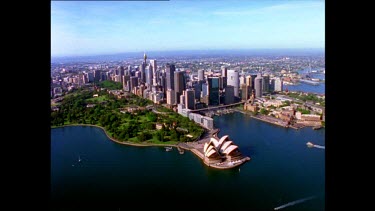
(184, 146)
(117, 141)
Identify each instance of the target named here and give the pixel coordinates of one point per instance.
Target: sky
(102, 27)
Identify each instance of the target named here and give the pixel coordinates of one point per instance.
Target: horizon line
(130, 52)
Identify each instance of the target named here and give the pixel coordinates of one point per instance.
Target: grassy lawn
(98, 99)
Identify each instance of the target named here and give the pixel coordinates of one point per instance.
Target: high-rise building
(224, 71)
(233, 80)
(242, 80)
(96, 75)
(278, 84)
(142, 69)
(245, 92)
(169, 74)
(248, 81)
(200, 75)
(204, 90)
(190, 99)
(258, 86)
(213, 91)
(179, 84)
(222, 82)
(229, 95)
(126, 83)
(154, 72)
(182, 98)
(197, 89)
(149, 76)
(253, 81)
(272, 85)
(133, 82)
(171, 99)
(266, 83)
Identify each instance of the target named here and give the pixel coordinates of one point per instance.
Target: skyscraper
(266, 83)
(279, 84)
(190, 99)
(149, 76)
(223, 71)
(233, 80)
(171, 99)
(200, 75)
(213, 91)
(229, 95)
(258, 86)
(154, 72)
(179, 84)
(169, 74)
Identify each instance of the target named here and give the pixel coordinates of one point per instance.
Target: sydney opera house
(222, 152)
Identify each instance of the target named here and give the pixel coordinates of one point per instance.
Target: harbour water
(282, 168)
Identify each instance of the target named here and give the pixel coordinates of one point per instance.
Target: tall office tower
(179, 84)
(154, 72)
(169, 76)
(85, 80)
(163, 83)
(279, 84)
(122, 71)
(90, 76)
(242, 80)
(258, 86)
(224, 71)
(272, 85)
(148, 76)
(222, 82)
(171, 99)
(129, 70)
(142, 69)
(245, 92)
(103, 76)
(233, 80)
(204, 90)
(253, 81)
(190, 99)
(197, 89)
(248, 81)
(133, 82)
(213, 91)
(96, 75)
(201, 75)
(229, 95)
(137, 74)
(108, 75)
(126, 83)
(266, 83)
(182, 98)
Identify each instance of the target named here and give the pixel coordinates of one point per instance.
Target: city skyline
(92, 28)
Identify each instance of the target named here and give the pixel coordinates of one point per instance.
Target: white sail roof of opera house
(225, 145)
(230, 149)
(222, 139)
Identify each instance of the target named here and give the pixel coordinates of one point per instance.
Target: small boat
(168, 149)
(309, 144)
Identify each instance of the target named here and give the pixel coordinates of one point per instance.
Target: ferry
(168, 149)
(309, 144)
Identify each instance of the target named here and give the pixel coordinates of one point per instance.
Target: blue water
(320, 89)
(282, 168)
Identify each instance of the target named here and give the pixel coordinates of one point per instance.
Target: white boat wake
(294, 202)
(320, 147)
